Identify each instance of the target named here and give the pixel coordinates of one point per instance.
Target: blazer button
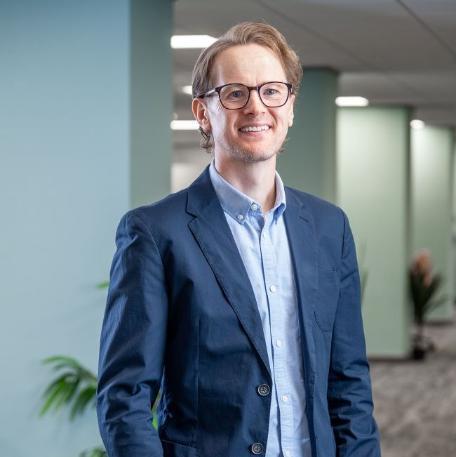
(257, 448)
(264, 390)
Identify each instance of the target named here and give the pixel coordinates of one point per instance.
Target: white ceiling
(389, 51)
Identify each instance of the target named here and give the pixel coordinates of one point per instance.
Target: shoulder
(166, 208)
(164, 216)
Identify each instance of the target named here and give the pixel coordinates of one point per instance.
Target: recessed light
(184, 125)
(191, 41)
(417, 124)
(187, 90)
(352, 101)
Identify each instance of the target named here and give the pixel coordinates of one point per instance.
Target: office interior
(93, 104)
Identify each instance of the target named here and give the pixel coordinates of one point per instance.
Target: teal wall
(309, 160)
(373, 188)
(151, 100)
(432, 205)
(66, 121)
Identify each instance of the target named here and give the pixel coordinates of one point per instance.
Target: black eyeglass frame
(250, 88)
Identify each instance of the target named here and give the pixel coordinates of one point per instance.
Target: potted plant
(75, 387)
(424, 285)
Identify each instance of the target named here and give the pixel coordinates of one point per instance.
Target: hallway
(415, 402)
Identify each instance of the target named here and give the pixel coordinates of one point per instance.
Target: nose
(254, 105)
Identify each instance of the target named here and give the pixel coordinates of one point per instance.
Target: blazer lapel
(303, 246)
(214, 237)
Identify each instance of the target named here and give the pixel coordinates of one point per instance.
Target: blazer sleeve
(349, 387)
(132, 344)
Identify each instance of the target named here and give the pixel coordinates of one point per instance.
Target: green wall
(151, 100)
(373, 189)
(64, 116)
(432, 205)
(308, 162)
(73, 89)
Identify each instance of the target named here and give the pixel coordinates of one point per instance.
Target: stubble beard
(248, 156)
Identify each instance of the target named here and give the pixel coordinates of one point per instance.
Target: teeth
(259, 128)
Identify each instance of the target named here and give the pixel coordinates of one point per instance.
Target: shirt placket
(273, 292)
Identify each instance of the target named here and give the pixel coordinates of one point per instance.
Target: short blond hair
(241, 34)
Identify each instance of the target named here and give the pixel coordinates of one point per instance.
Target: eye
(269, 91)
(235, 94)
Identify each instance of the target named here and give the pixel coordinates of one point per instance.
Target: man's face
(251, 65)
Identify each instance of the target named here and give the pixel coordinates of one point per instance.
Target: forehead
(250, 64)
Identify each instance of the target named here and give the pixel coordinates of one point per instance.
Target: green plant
(95, 452)
(424, 286)
(74, 386)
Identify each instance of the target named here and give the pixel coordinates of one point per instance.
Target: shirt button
(285, 398)
(278, 342)
(240, 217)
(273, 288)
(256, 448)
(264, 390)
(254, 206)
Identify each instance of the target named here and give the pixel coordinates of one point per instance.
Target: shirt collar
(237, 204)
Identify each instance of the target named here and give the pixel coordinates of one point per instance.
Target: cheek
(224, 125)
(216, 119)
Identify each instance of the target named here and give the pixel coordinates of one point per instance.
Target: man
(237, 296)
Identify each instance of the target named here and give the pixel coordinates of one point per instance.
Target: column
(373, 189)
(308, 162)
(151, 100)
(432, 207)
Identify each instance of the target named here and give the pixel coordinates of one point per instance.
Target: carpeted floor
(415, 402)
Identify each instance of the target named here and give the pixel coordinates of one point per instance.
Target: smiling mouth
(254, 128)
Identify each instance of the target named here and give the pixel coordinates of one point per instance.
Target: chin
(252, 155)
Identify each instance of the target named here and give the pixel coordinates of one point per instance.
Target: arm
(132, 344)
(349, 388)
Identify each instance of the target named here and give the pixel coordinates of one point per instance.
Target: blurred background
(95, 119)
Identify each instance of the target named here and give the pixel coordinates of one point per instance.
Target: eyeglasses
(235, 95)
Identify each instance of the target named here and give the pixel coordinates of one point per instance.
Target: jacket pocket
(173, 449)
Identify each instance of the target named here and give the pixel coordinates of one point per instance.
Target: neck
(256, 179)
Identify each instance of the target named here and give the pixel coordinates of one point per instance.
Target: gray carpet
(415, 402)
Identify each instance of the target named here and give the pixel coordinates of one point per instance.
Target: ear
(291, 113)
(200, 112)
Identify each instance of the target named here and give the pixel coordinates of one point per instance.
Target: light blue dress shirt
(263, 245)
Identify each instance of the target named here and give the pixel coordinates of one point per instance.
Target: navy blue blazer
(181, 315)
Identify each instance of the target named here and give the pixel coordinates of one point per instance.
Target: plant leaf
(53, 396)
(103, 285)
(71, 386)
(82, 400)
(95, 452)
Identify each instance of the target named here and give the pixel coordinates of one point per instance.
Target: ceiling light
(417, 124)
(184, 125)
(191, 41)
(351, 101)
(187, 90)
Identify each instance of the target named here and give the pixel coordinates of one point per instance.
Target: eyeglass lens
(234, 96)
